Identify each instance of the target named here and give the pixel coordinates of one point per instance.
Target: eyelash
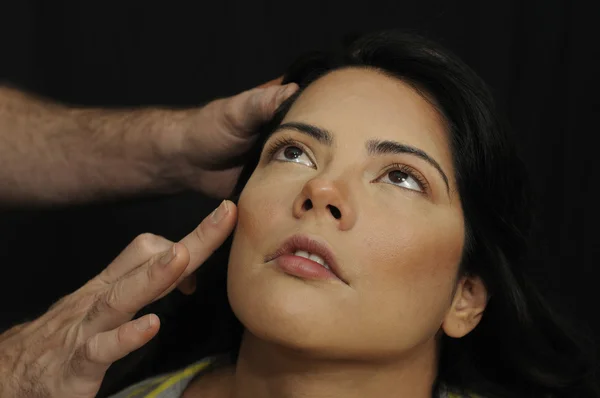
(281, 142)
(411, 172)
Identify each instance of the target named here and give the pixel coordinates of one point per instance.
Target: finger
(93, 358)
(208, 236)
(283, 94)
(139, 251)
(245, 112)
(128, 295)
(188, 285)
(274, 82)
(152, 282)
(265, 101)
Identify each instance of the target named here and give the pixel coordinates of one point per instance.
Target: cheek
(410, 266)
(260, 205)
(264, 205)
(416, 260)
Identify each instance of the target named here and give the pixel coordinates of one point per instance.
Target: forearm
(50, 153)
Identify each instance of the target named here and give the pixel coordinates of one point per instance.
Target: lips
(303, 243)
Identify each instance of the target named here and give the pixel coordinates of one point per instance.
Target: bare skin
(394, 223)
(54, 154)
(65, 353)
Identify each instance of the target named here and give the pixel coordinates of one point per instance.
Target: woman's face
(361, 164)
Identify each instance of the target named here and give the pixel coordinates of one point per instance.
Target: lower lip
(303, 267)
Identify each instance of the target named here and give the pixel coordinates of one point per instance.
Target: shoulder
(170, 385)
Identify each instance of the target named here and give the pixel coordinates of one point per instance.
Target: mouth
(306, 257)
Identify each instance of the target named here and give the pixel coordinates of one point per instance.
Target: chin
(285, 310)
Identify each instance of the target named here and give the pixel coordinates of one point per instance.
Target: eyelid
(413, 173)
(276, 144)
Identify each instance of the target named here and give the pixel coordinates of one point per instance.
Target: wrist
(174, 148)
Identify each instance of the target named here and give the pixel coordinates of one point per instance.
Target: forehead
(360, 104)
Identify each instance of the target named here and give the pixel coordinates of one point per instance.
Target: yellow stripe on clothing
(146, 387)
(173, 379)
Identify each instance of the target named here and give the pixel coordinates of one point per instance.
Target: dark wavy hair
(520, 348)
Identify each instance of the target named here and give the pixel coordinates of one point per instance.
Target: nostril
(337, 214)
(307, 204)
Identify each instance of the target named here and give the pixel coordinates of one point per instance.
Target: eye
(294, 154)
(405, 177)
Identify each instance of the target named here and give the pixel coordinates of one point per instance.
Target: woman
(379, 250)
(381, 244)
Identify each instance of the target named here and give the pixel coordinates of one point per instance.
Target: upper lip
(311, 245)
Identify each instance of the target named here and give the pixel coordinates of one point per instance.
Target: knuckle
(147, 244)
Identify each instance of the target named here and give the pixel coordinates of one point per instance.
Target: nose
(327, 199)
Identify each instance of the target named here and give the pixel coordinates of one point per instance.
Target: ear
(467, 307)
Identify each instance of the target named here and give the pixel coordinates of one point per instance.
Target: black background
(541, 58)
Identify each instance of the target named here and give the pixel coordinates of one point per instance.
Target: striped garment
(172, 385)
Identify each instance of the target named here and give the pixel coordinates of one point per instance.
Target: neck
(265, 370)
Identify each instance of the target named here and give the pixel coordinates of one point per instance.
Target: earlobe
(467, 307)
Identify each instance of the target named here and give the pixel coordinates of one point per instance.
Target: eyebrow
(374, 147)
(318, 133)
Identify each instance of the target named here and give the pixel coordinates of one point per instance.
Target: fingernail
(220, 212)
(144, 323)
(168, 256)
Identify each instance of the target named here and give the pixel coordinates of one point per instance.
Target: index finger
(209, 235)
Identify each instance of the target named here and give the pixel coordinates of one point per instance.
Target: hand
(66, 352)
(219, 134)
